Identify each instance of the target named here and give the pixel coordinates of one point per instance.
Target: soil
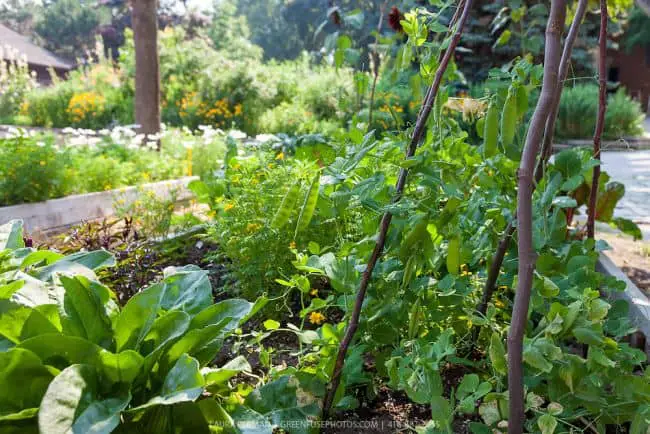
(632, 257)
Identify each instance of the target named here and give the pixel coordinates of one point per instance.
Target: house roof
(35, 55)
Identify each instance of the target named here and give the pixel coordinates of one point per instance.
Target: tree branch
(565, 61)
(376, 60)
(600, 121)
(418, 133)
(526, 251)
(563, 71)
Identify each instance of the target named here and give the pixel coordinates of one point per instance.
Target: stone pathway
(632, 169)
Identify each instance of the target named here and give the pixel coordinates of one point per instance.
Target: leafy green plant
(92, 366)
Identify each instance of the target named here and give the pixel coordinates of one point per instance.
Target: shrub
(578, 109)
(36, 168)
(15, 81)
(32, 170)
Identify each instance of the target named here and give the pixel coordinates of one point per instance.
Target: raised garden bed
(71, 210)
(638, 301)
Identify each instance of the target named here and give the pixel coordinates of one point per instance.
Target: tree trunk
(147, 75)
(526, 251)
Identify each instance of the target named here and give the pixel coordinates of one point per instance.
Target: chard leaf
(73, 404)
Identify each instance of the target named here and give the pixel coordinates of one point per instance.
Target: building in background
(39, 59)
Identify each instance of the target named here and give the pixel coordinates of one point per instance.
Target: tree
(68, 27)
(147, 74)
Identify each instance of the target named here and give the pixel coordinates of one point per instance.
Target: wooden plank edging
(74, 209)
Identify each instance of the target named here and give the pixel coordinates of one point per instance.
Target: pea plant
(439, 284)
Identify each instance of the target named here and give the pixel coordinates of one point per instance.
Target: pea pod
(491, 131)
(480, 127)
(286, 206)
(509, 118)
(414, 235)
(522, 101)
(309, 205)
(453, 256)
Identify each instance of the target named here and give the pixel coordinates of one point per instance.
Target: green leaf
(78, 263)
(277, 402)
(218, 376)
(547, 424)
(270, 324)
(23, 381)
(84, 313)
(564, 202)
(121, 368)
(187, 289)
(441, 410)
(18, 323)
(628, 227)
(11, 235)
(40, 257)
(183, 383)
(535, 358)
(568, 162)
(236, 310)
(497, 354)
(548, 288)
(607, 200)
(62, 351)
(164, 331)
(73, 403)
(588, 335)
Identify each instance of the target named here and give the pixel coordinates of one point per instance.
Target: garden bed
(71, 210)
(629, 262)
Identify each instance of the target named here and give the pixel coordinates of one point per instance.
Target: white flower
(237, 135)
(263, 138)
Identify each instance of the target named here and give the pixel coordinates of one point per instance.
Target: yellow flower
(314, 292)
(292, 245)
(316, 318)
(43, 163)
(252, 227)
(280, 156)
(228, 207)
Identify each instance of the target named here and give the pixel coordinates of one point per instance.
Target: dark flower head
(29, 242)
(394, 18)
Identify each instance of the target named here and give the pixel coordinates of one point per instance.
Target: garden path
(632, 168)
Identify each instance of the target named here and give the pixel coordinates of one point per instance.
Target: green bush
(579, 107)
(32, 170)
(38, 168)
(201, 85)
